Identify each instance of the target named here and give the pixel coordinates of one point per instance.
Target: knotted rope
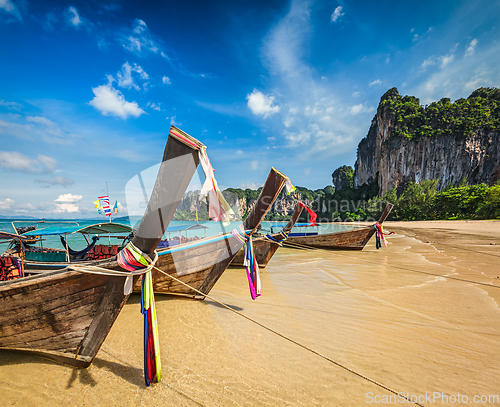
(249, 261)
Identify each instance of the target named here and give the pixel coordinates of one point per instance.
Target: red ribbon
(312, 215)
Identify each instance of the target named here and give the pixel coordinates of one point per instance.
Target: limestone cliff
(283, 206)
(447, 156)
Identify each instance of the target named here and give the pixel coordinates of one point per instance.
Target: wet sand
(373, 311)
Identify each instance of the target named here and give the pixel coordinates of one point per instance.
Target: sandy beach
(420, 316)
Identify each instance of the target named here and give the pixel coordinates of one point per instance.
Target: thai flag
(105, 199)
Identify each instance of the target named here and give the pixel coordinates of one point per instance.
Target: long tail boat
(199, 264)
(349, 240)
(65, 315)
(265, 246)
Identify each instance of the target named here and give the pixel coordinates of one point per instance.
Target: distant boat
(36, 256)
(65, 315)
(355, 239)
(266, 245)
(199, 264)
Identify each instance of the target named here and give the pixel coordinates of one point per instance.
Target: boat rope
(307, 348)
(271, 238)
(249, 261)
(302, 246)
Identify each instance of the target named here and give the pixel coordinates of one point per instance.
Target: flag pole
(107, 193)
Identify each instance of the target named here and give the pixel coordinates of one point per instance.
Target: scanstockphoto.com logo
(431, 398)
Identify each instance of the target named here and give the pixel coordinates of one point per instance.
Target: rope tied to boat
(132, 258)
(380, 235)
(280, 241)
(249, 261)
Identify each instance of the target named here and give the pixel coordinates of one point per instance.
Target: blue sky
(89, 89)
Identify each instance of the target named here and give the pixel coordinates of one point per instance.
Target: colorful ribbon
(312, 215)
(218, 208)
(380, 235)
(250, 262)
(132, 259)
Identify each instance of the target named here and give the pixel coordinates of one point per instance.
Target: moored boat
(199, 264)
(265, 245)
(65, 314)
(355, 239)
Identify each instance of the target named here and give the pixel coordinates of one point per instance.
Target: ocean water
(77, 242)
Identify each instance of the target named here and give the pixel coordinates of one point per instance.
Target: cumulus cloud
(7, 204)
(73, 16)
(261, 104)
(375, 82)
(68, 198)
(15, 161)
(111, 102)
(471, 48)
(166, 80)
(55, 181)
(337, 14)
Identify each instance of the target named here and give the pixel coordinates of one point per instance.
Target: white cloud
(261, 104)
(141, 40)
(68, 198)
(11, 8)
(337, 14)
(125, 78)
(11, 105)
(154, 106)
(356, 94)
(68, 207)
(15, 161)
(166, 80)
(7, 204)
(42, 129)
(173, 122)
(73, 16)
(110, 101)
(55, 181)
(472, 46)
(375, 82)
(361, 108)
(446, 60)
(254, 164)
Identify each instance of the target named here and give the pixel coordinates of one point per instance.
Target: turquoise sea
(77, 242)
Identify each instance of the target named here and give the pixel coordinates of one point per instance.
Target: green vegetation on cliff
(462, 118)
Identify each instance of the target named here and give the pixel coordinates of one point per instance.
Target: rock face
(446, 158)
(282, 206)
(342, 177)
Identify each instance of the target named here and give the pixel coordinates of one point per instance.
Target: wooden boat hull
(62, 315)
(199, 265)
(349, 240)
(264, 250)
